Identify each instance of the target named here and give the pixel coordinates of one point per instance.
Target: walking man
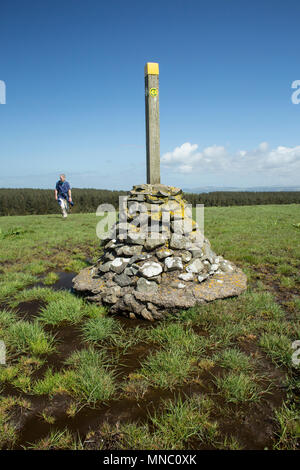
(63, 194)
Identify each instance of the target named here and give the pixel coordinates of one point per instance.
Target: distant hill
(210, 189)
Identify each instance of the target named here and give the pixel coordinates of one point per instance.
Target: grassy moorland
(220, 376)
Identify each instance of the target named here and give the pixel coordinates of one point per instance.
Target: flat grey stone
(173, 262)
(135, 208)
(104, 268)
(195, 266)
(136, 258)
(164, 253)
(179, 242)
(171, 206)
(123, 280)
(131, 270)
(147, 315)
(145, 286)
(108, 256)
(129, 250)
(196, 252)
(226, 267)
(154, 242)
(141, 220)
(110, 244)
(131, 302)
(136, 197)
(186, 256)
(136, 238)
(182, 226)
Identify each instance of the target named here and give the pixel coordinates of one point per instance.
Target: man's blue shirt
(62, 188)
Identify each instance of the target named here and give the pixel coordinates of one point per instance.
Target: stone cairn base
(146, 274)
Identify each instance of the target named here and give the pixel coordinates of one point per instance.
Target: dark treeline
(41, 201)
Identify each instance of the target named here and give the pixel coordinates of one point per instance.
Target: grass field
(219, 377)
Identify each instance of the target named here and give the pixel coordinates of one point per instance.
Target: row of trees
(41, 201)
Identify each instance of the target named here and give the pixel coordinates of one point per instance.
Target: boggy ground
(219, 376)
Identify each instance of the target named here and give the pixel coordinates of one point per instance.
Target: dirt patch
(281, 294)
(133, 323)
(29, 310)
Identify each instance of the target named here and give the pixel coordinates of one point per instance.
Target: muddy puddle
(252, 424)
(63, 283)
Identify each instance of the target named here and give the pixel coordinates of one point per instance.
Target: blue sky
(74, 74)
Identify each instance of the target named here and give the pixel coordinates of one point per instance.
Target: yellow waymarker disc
(153, 92)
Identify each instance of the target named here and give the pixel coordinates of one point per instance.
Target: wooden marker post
(152, 122)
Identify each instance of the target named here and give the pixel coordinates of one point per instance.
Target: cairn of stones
(157, 260)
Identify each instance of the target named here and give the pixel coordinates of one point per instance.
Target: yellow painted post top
(151, 68)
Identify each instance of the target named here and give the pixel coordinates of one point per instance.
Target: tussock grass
(88, 379)
(7, 317)
(57, 440)
(95, 311)
(288, 421)
(50, 278)
(233, 359)
(75, 265)
(44, 294)
(278, 348)
(12, 282)
(8, 432)
(167, 368)
(68, 309)
(181, 421)
(54, 382)
(23, 336)
(35, 267)
(238, 387)
(108, 330)
(19, 373)
(177, 422)
(99, 329)
(177, 336)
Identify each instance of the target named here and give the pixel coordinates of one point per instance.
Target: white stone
(214, 267)
(117, 262)
(181, 285)
(150, 269)
(186, 276)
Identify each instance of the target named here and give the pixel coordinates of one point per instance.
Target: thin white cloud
(188, 159)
